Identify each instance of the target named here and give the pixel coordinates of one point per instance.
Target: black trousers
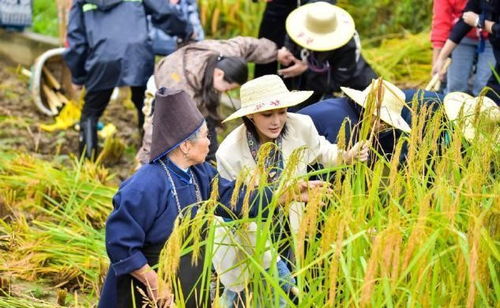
(97, 101)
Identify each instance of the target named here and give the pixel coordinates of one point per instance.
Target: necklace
(174, 190)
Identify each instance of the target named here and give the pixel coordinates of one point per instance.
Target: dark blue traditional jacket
(329, 114)
(143, 217)
(108, 43)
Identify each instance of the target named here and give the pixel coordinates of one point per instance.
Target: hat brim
(456, 101)
(391, 118)
(284, 101)
(453, 103)
(297, 31)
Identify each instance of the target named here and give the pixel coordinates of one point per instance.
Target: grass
(45, 18)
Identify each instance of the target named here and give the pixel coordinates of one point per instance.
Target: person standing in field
(108, 47)
(483, 15)
(473, 48)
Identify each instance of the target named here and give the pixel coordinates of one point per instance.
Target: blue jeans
(461, 67)
(228, 297)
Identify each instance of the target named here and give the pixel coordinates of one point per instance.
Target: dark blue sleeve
(76, 53)
(168, 18)
(134, 213)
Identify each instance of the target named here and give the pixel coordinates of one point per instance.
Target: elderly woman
(147, 204)
(264, 103)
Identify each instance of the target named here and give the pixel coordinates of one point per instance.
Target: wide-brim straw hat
(265, 93)
(393, 102)
(320, 26)
(459, 104)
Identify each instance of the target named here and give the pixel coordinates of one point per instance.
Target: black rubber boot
(88, 138)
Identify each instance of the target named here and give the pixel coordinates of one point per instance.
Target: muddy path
(20, 131)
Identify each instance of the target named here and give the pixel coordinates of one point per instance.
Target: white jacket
(233, 156)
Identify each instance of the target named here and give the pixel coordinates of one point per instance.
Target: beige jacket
(184, 69)
(233, 156)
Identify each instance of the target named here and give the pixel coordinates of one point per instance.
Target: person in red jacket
(445, 14)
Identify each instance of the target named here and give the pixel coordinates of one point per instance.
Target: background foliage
(227, 18)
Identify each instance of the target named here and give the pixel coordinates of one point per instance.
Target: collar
(184, 176)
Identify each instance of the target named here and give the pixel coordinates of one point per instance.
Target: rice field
(425, 233)
(422, 234)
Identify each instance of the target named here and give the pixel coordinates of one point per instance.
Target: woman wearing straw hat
(264, 103)
(175, 183)
(322, 36)
(205, 70)
(328, 116)
(272, 27)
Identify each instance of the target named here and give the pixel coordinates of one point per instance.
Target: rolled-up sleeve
(251, 49)
(126, 228)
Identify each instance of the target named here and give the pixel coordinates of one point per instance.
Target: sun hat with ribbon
(320, 26)
(459, 105)
(393, 101)
(265, 93)
(175, 119)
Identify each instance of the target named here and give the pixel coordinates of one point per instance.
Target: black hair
(235, 71)
(250, 126)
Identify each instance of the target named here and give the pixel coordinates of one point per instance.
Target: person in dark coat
(485, 16)
(272, 27)
(108, 47)
(147, 204)
(328, 116)
(325, 51)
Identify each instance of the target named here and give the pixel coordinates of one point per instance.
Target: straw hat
(175, 119)
(392, 104)
(320, 26)
(266, 93)
(457, 102)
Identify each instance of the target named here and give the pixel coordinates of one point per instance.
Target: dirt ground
(20, 119)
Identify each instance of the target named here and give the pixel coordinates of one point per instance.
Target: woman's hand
(285, 57)
(164, 298)
(295, 70)
(470, 18)
(359, 152)
(156, 292)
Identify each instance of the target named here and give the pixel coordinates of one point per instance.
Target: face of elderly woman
(199, 146)
(269, 124)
